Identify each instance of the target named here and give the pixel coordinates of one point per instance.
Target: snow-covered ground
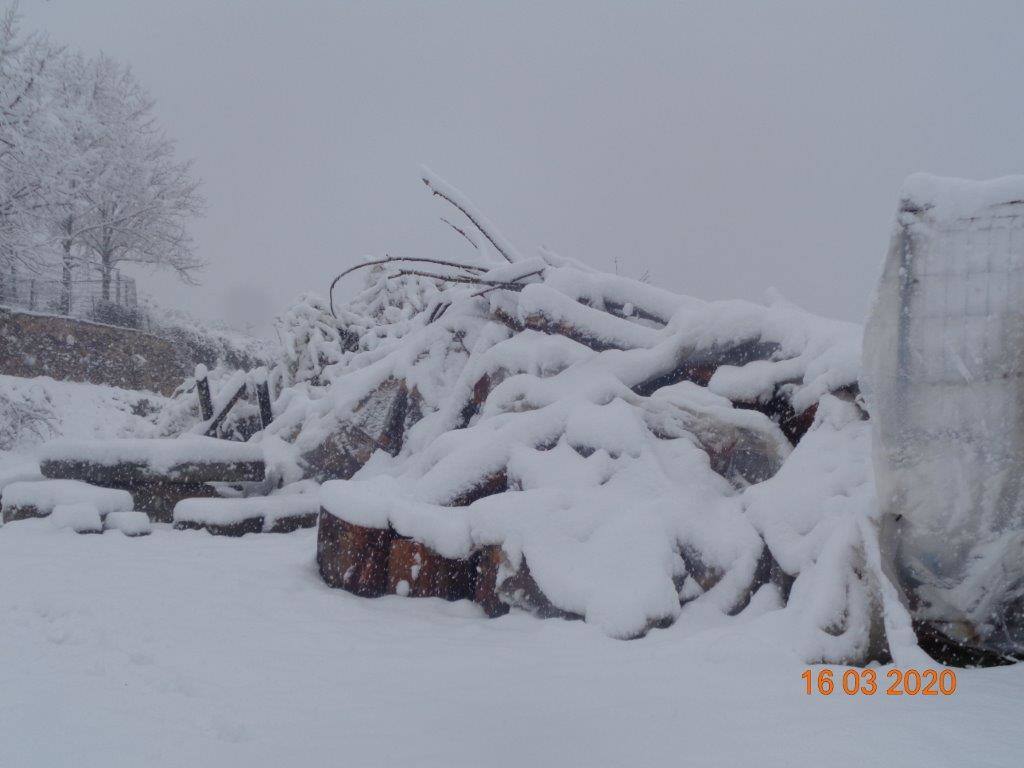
(182, 648)
(39, 409)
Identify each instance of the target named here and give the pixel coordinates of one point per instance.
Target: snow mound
(44, 495)
(227, 512)
(81, 517)
(35, 410)
(128, 523)
(946, 200)
(14, 468)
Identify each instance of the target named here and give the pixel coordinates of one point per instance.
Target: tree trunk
(107, 269)
(65, 293)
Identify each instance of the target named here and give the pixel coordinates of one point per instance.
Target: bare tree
(27, 159)
(86, 173)
(138, 198)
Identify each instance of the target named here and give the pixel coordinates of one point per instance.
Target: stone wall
(69, 349)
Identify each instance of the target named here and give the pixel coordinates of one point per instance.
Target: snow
(439, 186)
(81, 517)
(76, 410)
(159, 456)
(187, 649)
(231, 511)
(621, 478)
(598, 500)
(128, 523)
(944, 199)
(610, 492)
(45, 495)
(827, 478)
(14, 468)
(635, 499)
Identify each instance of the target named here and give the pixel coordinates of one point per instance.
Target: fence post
(117, 288)
(203, 388)
(263, 396)
(32, 293)
(65, 292)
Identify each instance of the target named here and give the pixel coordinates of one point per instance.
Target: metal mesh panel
(965, 300)
(83, 293)
(944, 377)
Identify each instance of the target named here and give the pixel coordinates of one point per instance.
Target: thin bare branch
(391, 259)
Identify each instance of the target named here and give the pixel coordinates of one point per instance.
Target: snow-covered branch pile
(530, 432)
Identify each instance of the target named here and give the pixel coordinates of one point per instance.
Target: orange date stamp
(898, 682)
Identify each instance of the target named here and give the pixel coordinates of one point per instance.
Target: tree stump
(415, 570)
(352, 557)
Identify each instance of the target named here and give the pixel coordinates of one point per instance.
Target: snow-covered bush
(311, 339)
(207, 341)
(25, 417)
(38, 409)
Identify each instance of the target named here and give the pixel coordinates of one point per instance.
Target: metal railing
(79, 292)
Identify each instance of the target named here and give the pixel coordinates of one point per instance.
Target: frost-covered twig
(447, 192)
(462, 232)
(511, 285)
(390, 259)
(515, 280)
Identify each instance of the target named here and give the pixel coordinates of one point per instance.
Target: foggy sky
(725, 147)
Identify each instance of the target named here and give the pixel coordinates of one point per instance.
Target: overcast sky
(725, 147)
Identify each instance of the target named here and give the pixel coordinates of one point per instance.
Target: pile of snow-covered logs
(375, 561)
(537, 392)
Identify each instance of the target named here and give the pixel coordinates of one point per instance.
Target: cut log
(415, 570)
(130, 473)
(699, 365)
(239, 528)
(158, 499)
(488, 486)
(238, 516)
(379, 422)
(487, 564)
(520, 590)
(290, 523)
(352, 557)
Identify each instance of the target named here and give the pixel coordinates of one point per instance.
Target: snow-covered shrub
(38, 409)
(206, 341)
(311, 339)
(26, 417)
